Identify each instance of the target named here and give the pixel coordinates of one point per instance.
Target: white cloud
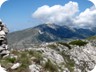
(93, 1)
(2, 1)
(67, 15)
(56, 13)
(86, 18)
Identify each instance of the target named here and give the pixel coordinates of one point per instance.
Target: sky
(22, 14)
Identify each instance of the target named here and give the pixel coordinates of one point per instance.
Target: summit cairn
(3, 40)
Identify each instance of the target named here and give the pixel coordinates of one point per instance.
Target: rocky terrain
(74, 56)
(49, 48)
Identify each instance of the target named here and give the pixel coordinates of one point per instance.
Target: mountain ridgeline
(47, 33)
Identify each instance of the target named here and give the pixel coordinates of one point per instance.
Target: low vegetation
(53, 46)
(78, 42)
(23, 57)
(36, 54)
(69, 62)
(65, 44)
(50, 66)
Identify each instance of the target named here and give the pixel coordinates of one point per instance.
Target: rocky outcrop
(76, 59)
(84, 57)
(15, 66)
(3, 40)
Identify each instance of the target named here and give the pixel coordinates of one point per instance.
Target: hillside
(91, 38)
(46, 33)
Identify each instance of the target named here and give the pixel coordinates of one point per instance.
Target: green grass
(37, 55)
(50, 66)
(7, 62)
(23, 57)
(11, 60)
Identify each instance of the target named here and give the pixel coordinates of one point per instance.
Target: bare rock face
(3, 40)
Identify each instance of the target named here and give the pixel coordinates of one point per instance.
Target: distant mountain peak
(48, 33)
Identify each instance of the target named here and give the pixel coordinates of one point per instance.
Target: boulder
(15, 66)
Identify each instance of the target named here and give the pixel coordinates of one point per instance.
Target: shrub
(52, 46)
(65, 44)
(7, 62)
(11, 60)
(78, 42)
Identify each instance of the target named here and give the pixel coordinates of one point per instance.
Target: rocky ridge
(52, 57)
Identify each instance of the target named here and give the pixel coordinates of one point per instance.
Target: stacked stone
(3, 40)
